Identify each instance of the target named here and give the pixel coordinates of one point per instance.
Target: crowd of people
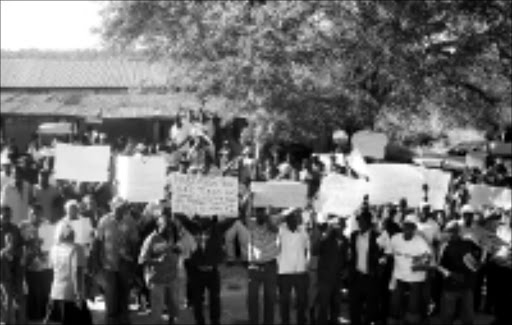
(400, 265)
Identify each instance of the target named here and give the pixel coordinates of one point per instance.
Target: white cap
(467, 209)
(411, 218)
(71, 203)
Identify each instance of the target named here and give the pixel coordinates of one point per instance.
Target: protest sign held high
(370, 144)
(279, 194)
(82, 163)
(141, 179)
(204, 195)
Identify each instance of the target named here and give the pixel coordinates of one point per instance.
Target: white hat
(71, 203)
(411, 218)
(467, 209)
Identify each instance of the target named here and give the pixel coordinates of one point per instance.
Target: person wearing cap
(412, 256)
(117, 237)
(363, 270)
(17, 195)
(292, 262)
(67, 291)
(159, 257)
(332, 270)
(11, 280)
(259, 245)
(459, 261)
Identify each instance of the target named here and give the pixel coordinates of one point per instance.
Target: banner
(279, 194)
(476, 160)
(483, 195)
(204, 195)
(438, 182)
(141, 179)
(82, 163)
(340, 195)
(391, 182)
(370, 144)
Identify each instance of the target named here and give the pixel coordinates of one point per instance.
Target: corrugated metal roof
(110, 106)
(68, 73)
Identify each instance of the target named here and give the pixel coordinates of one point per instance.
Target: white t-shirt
(404, 253)
(64, 259)
(294, 252)
(430, 230)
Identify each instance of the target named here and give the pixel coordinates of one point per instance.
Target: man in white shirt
(17, 195)
(292, 263)
(412, 258)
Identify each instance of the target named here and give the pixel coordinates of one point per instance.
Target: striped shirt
(260, 241)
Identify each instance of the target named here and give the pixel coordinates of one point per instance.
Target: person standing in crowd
(117, 236)
(6, 173)
(91, 210)
(35, 261)
(292, 264)
(159, 256)
(260, 243)
(47, 196)
(458, 263)
(11, 280)
(364, 267)
(332, 270)
(17, 195)
(204, 264)
(411, 260)
(67, 291)
(71, 215)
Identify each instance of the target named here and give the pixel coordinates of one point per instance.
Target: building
(117, 96)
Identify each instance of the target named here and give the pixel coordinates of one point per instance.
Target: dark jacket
(332, 259)
(213, 253)
(374, 254)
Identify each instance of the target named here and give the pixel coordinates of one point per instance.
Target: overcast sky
(49, 25)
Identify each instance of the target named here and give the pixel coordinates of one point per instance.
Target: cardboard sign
(340, 195)
(483, 195)
(476, 160)
(370, 144)
(438, 182)
(279, 194)
(391, 182)
(82, 163)
(141, 179)
(205, 195)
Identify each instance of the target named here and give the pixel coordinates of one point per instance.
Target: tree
(315, 66)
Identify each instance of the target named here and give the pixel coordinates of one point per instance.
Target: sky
(49, 25)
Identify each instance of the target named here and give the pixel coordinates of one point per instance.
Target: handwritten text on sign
(206, 196)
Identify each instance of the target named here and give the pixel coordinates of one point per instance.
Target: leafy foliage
(314, 66)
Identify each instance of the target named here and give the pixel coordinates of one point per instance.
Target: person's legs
(356, 302)
(269, 293)
(448, 305)
(111, 297)
(157, 297)
(7, 300)
(197, 287)
(285, 291)
(397, 300)
(415, 305)
(188, 285)
(124, 297)
(467, 308)
(33, 284)
(253, 301)
(214, 295)
(324, 293)
(301, 283)
(172, 302)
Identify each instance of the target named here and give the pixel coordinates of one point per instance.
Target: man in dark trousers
(332, 269)
(204, 263)
(364, 271)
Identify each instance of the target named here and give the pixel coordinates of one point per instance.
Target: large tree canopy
(320, 65)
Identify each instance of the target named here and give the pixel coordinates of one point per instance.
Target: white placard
(438, 182)
(392, 182)
(476, 160)
(370, 144)
(205, 195)
(141, 178)
(483, 195)
(279, 194)
(82, 163)
(340, 195)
